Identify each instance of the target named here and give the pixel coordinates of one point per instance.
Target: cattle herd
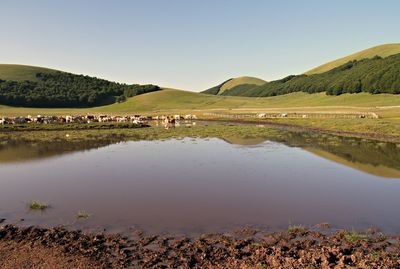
(91, 119)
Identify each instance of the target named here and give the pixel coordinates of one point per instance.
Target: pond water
(194, 186)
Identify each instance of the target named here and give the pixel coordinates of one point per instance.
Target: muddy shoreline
(297, 247)
(294, 127)
(286, 126)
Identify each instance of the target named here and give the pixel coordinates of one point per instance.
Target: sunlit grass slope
(382, 51)
(240, 81)
(177, 100)
(21, 72)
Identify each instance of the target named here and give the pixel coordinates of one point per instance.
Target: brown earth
(25, 255)
(296, 248)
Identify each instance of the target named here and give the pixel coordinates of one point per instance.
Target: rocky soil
(296, 248)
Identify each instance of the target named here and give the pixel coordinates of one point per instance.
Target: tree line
(375, 75)
(60, 89)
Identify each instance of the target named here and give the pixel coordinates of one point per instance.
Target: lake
(193, 186)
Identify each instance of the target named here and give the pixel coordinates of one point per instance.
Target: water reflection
(373, 157)
(199, 185)
(14, 151)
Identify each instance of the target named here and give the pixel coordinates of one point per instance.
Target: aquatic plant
(82, 215)
(353, 236)
(296, 229)
(38, 205)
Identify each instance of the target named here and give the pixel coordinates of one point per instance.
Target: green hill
(242, 82)
(31, 86)
(171, 101)
(177, 100)
(374, 75)
(382, 51)
(374, 70)
(21, 73)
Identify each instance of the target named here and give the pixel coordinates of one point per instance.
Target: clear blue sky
(191, 44)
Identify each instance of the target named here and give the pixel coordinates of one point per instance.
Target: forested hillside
(376, 75)
(60, 89)
(383, 51)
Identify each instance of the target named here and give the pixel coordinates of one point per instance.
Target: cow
(177, 117)
(69, 119)
(3, 121)
(190, 117)
(19, 120)
(261, 115)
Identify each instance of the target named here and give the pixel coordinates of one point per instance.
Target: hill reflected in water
(372, 157)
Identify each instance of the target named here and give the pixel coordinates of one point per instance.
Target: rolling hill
(374, 70)
(382, 51)
(170, 101)
(374, 75)
(242, 82)
(178, 100)
(31, 86)
(20, 73)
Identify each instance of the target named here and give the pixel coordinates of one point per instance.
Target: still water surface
(198, 185)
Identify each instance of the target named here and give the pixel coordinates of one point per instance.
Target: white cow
(69, 119)
(190, 117)
(261, 115)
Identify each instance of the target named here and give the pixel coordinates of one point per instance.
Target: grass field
(169, 101)
(21, 72)
(382, 50)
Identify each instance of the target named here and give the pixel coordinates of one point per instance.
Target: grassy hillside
(215, 90)
(38, 87)
(375, 75)
(243, 82)
(170, 101)
(21, 73)
(382, 51)
(373, 70)
(240, 81)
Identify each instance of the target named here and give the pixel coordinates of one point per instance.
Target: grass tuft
(354, 236)
(262, 266)
(38, 205)
(82, 215)
(296, 229)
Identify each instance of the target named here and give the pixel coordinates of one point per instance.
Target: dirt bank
(296, 248)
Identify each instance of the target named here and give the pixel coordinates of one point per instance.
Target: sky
(191, 44)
